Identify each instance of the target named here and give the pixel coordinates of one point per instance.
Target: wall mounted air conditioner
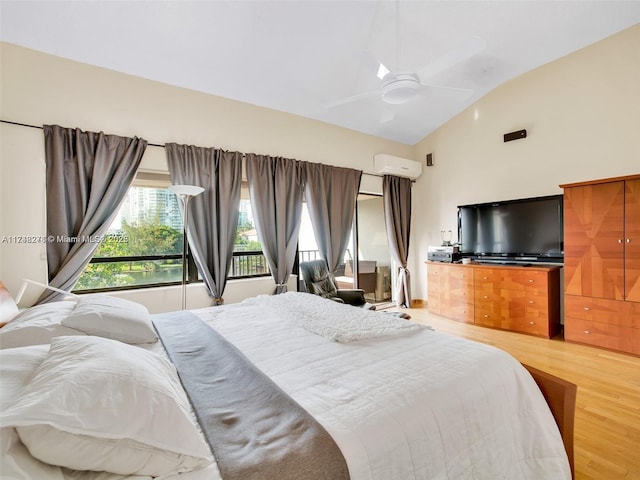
(385, 164)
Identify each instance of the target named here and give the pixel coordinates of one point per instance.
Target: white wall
(582, 116)
(41, 89)
(581, 113)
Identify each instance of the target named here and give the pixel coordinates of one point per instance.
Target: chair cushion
(325, 287)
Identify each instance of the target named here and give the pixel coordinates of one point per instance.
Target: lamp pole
(185, 193)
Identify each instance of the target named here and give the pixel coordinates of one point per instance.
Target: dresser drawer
(488, 275)
(601, 310)
(433, 289)
(463, 312)
(615, 337)
(532, 324)
(528, 280)
(433, 300)
(461, 280)
(531, 302)
(491, 316)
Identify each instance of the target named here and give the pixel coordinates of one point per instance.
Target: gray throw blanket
(255, 430)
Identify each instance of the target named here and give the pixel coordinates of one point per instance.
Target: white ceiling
(304, 56)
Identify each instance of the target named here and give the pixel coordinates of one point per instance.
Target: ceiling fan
(403, 87)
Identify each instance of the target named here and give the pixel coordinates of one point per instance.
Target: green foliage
(104, 275)
(113, 245)
(152, 238)
(147, 238)
(242, 242)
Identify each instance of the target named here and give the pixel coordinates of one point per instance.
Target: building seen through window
(143, 245)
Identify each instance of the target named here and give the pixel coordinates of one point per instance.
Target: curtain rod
(40, 127)
(149, 144)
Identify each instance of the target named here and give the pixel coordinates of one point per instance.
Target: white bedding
(420, 405)
(331, 320)
(17, 366)
(417, 406)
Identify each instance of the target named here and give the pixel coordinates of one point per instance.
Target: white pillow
(37, 325)
(17, 366)
(112, 317)
(102, 405)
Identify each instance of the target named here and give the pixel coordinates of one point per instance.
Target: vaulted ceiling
(319, 58)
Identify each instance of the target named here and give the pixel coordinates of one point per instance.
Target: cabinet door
(632, 240)
(593, 237)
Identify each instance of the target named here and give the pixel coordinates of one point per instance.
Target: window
(373, 257)
(143, 245)
(308, 248)
(248, 259)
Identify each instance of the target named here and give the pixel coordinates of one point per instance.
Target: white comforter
(413, 404)
(422, 405)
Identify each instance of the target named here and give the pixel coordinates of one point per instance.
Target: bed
(398, 400)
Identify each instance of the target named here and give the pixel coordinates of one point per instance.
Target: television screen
(530, 227)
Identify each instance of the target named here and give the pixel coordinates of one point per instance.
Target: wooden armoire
(602, 263)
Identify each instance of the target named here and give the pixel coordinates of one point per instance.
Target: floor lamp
(185, 192)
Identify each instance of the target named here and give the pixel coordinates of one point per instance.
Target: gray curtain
(396, 192)
(276, 186)
(331, 194)
(87, 177)
(213, 215)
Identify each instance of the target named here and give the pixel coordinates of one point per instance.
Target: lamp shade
(186, 190)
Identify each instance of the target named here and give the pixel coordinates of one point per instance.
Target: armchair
(319, 281)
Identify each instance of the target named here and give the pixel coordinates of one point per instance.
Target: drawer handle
(531, 281)
(532, 323)
(531, 301)
(628, 240)
(619, 240)
(485, 278)
(587, 332)
(486, 316)
(486, 296)
(587, 309)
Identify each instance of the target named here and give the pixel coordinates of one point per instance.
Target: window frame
(160, 180)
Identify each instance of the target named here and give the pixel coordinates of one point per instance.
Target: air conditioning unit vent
(386, 164)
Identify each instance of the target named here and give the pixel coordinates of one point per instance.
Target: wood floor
(607, 424)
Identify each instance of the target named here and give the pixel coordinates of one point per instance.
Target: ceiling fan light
(400, 89)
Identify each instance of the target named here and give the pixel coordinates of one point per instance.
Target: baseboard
(418, 303)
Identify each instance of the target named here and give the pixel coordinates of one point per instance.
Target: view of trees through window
(143, 245)
(149, 224)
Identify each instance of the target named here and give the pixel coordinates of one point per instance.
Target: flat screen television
(528, 229)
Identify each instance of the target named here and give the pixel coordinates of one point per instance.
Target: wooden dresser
(516, 298)
(602, 263)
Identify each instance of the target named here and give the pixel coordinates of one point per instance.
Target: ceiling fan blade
(447, 87)
(470, 47)
(387, 116)
(352, 98)
(453, 93)
(373, 64)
